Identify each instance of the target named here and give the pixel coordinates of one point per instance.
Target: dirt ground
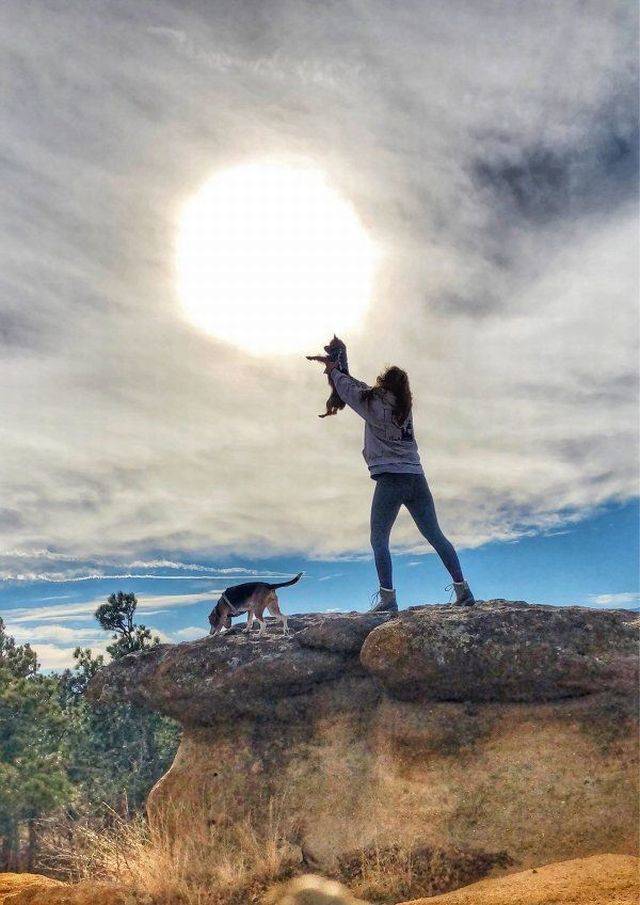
(12, 883)
(32, 889)
(599, 880)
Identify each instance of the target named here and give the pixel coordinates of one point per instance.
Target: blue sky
(487, 150)
(592, 563)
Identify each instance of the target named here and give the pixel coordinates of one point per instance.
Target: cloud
(54, 644)
(53, 657)
(615, 600)
(30, 563)
(190, 633)
(147, 603)
(489, 149)
(60, 633)
(70, 575)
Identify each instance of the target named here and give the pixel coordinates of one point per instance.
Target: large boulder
(505, 727)
(504, 651)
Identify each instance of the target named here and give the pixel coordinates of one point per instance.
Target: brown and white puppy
(253, 597)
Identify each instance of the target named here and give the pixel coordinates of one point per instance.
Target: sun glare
(271, 259)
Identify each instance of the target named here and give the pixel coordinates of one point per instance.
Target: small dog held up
(336, 351)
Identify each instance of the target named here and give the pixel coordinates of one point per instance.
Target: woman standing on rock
(391, 452)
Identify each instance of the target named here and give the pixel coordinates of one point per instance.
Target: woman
(391, 452)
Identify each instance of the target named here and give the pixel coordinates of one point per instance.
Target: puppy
(253, 597)
(336, 351)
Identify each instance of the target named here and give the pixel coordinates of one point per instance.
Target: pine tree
(33, 751)
(119, 750)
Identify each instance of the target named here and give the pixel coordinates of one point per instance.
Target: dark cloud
(539, 183)
(10, 519)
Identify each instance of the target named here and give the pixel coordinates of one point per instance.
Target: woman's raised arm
(350, 391)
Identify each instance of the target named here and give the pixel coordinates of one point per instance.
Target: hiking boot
(464, 597)
(387, 602)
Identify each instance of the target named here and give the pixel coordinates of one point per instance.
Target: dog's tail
(285, 584)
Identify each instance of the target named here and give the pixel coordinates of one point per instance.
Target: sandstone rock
(502, 739)
(12, 884)
(201, 681)
(31, 889)
(311, 890)
(599, 880)
(504, 651)
(216, 677)
(342, 632)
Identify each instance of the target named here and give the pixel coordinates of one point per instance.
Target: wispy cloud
(70, 577)
(72, 572)
(147, 603)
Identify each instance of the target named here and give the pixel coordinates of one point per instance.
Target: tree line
(61, 755)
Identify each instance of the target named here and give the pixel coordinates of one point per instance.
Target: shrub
(392, 873)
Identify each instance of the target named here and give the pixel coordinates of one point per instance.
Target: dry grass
(236, 863)
(210, 865)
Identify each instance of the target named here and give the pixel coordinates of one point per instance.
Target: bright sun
(271, 259)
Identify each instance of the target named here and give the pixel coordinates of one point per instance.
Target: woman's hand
(329, 364)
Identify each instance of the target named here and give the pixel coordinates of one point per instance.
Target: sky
(489, 150)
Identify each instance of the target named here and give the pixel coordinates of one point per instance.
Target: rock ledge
(498, 651)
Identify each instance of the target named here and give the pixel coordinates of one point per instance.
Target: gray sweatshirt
(388, 447)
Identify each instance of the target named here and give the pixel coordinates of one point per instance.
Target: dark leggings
(411, 490)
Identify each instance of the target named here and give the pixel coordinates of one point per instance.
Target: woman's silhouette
(391, 452)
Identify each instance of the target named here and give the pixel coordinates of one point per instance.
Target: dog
(253, 598)
(336, 351)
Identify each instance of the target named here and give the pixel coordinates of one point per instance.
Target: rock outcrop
(215, 679)
(505, 652)
(502, 727)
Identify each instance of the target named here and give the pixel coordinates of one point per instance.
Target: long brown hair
(393, 380)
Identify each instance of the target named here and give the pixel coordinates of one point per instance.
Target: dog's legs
(273, 606)
(260, 604)
(250, 621)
